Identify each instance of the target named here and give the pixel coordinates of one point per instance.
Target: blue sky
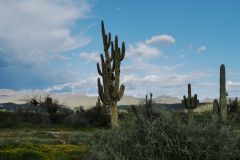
(54, 45)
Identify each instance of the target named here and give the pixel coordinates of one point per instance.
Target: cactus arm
(189, 91)
(113, 57)
(99, 70)
(112, 52)
(216, 106)
(184, 102)
(106, 38)
(101, 93)
(116, 42)
(117, 71)
(119, 94)
(122, 52)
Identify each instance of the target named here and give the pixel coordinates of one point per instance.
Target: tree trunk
(114, 116)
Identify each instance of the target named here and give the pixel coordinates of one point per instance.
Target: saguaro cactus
(110, 92)
(148, 102)
(148, 105)
(234, 105)
(223, 95)
(190, 103)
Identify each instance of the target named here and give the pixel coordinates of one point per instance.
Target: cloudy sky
(53, 45)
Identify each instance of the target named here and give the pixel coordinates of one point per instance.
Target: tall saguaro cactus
(222, 104)
(190, 103)
(110, 92)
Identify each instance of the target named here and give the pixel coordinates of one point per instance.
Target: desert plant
(234, 105)
(92, 117)
(148, 101)
(109, 92)
(190, 103)
(222, 104)
(48, 108)
(216, 108)
(166, 137)
(149, 105)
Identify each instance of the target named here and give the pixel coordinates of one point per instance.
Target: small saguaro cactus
(148, 105)
(190, 103)
(234, 105)
(223, 95)
(110, 92)
(148, 102)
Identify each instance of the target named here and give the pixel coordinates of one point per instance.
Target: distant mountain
(207, 100)
(167, 100)
(73, 100)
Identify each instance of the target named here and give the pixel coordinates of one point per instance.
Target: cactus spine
(111, 91)
(223, 95)
(190, 103)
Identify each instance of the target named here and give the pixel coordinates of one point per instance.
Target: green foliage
(78, 138)
(41, 152)
(167, 137)
(94, 117)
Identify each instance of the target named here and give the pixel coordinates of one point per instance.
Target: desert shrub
(166, 137)
(50, 109)
(78, 138)
(11, 119)
(41, 152)
(94, 117)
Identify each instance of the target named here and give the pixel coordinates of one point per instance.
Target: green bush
(93, 117)
(167, 137)
(78, 138)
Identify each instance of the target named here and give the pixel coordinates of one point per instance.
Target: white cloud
(233, 85)
(150, 48)
(201, 49)
(30, 30)
(161, 84)
(59, 57)
(90, 57)
(174, 67)
(87, 85)
(161, 40)
(142, 52)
